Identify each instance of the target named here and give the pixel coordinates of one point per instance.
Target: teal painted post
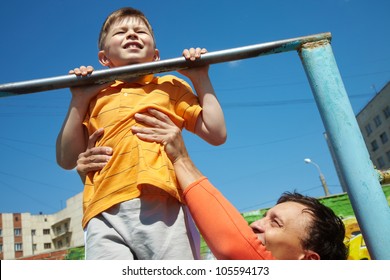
(364, 190)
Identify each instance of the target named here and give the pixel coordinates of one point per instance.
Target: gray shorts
(153, 227)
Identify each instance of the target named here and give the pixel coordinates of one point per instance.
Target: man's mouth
(260, 236)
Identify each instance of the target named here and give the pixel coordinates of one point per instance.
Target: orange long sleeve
(224, 229)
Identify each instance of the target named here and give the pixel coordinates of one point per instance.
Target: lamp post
(322, 178)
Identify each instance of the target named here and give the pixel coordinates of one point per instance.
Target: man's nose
(258, 225)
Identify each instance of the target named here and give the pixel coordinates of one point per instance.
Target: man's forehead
(289, 208)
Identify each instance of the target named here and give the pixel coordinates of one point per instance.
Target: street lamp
(322, 178)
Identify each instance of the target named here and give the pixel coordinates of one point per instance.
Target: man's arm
(220, 223)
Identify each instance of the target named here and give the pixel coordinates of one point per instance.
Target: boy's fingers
(82, 70)
(186, 53)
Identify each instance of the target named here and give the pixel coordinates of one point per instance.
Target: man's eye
(275, 223)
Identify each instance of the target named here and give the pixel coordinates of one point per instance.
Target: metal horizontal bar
(134, 71)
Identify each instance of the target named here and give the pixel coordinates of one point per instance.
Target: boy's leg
(153, 227)
(156, 227)
(165, 230)
(103, 242)
(193, 233)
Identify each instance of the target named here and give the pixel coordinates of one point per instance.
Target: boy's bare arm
(210, 125)
(73, 137)
(71, 140)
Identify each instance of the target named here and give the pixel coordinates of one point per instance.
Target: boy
(132, 207)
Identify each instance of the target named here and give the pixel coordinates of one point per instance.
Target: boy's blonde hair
(118, 15)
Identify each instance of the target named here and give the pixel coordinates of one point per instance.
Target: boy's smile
(132, 45)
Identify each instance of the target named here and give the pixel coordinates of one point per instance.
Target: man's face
(129, 41)
(282, 228)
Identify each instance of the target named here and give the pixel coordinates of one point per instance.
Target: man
(297, 227)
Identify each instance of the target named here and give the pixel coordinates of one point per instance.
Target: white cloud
(234, 63)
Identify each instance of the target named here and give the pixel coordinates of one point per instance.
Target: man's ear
(311, 255)
(103, 59)
(156, 56)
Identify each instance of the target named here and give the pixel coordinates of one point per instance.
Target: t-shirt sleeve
(187, 105)
(223, 228)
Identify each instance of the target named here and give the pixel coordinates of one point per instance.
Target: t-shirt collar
(143, 80)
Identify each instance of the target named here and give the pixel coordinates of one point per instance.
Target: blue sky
(273, 122)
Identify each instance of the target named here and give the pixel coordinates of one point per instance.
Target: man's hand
(159, 128)
(94, 158)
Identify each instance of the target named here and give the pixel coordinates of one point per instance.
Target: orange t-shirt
(135, 162)
(223, 228)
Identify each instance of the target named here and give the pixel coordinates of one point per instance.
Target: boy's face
(129, 41)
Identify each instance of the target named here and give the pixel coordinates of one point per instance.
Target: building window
(384, 137)
(1, 232)
(46, 231)
(58, 230)
(377, 121)
(374, 145)
(1, 248)
(33, 232)
(368, 129)
(47, 245)
(18, 247)
(34, 247)
(386, 112)
(17, 232)
(381, 162)
(16, 219)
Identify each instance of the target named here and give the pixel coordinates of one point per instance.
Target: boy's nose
(132, 34)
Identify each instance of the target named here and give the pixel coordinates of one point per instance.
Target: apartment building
(374, 123)
(23, 234)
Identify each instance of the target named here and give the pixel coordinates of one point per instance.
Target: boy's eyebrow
(118, 27)
(122, 25)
